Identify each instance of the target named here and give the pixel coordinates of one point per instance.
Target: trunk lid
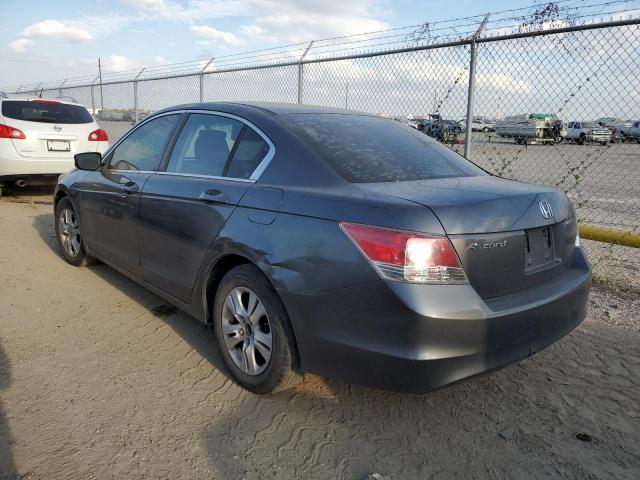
(52, 140)
(498, 228)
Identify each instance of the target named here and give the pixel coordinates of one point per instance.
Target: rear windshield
(45, 112)
(365, 149)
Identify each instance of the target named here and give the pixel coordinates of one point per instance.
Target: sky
(48, 40)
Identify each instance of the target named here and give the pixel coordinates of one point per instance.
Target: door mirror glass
(88, 160)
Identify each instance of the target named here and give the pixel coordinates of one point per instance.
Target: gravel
(100, 379)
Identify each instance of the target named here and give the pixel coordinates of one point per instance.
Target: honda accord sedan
(329, 241)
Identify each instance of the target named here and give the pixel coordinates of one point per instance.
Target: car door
(109, 197)
(184, 206)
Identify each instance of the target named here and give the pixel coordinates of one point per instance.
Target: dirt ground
(98, 379)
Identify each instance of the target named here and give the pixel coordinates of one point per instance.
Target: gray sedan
(329, 241)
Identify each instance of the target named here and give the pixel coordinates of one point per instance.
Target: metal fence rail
(575, 73)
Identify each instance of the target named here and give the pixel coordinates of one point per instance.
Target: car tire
(69, 236)
(244, 328)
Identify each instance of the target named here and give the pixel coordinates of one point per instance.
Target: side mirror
(88, 160)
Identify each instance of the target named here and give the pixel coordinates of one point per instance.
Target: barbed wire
(531, 18)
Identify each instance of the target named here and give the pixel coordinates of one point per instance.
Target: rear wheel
(253, 332)
(69, 235)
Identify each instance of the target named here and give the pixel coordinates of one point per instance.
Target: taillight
(406, 256)
(98, 135)
(9, 132)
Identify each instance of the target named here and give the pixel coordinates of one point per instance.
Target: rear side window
(365, 149)
(248, 155)
(204, 145)
(45, 111)
(142, 150)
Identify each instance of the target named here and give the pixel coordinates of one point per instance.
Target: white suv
(38, 139)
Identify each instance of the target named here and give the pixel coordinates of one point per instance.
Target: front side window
(142, 150)
(364, 148)
(204, 145)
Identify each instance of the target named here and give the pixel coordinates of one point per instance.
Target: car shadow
(198, 335)
(39, 194)
(8, 469)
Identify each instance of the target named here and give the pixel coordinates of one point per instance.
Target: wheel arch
(216, 272)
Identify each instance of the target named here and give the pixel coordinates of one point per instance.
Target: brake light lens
(98, 135)
(406, 256)
(51, 102)
(9, 132)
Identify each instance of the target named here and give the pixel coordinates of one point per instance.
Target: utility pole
(472, 86)
(100, 76)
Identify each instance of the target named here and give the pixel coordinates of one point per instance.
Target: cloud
(193, 9)
(210, 33)
(20, 45)
(301, 27)
(56, 29)
(49, 29)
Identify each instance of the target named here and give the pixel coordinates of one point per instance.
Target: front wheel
(69, 235)
(253, 332)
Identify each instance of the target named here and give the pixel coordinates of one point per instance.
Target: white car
(582, 132)
(483, 124)
(38, 139)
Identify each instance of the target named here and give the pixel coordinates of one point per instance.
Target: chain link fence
(556, 105)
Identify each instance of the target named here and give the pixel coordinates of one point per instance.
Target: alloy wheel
(69, 232)
(247, 331)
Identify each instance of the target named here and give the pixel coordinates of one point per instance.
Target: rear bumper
(23, 166)
(417, 338)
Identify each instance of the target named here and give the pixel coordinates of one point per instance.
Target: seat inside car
(210, 153)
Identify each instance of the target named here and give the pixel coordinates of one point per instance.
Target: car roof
(269, 107)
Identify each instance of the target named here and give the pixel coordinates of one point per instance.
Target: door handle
(129, 187)
(214, 195)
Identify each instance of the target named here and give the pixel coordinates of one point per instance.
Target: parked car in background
(328, 241)
(634, 131)
(619, 128)
(483, 124)
(583, 132)
(38, 139)
(445, 131)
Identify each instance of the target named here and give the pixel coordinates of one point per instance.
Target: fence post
(301, 72)
(201, 78)
(60, 87)
(472, 87)
(135, 96)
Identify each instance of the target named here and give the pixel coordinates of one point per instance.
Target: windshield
(45, 112)
(590, 125)
(367, 149)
